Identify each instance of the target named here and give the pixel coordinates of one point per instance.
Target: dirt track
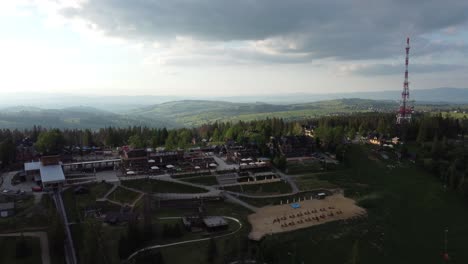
(283, 218)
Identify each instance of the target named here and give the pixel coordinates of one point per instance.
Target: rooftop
(52, 174)
(31, 166)
(214, 221)
(49, 173)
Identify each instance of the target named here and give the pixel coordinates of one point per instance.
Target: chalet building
(48, 171)
(164, 158)
(239, 154)
(210, 223)
(375, 141)
(134, 160)
(308, 130)
(215, 223)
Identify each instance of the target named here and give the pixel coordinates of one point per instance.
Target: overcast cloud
(282, 31)
(230, 46)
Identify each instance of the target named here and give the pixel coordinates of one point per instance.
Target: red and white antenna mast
(405, 111)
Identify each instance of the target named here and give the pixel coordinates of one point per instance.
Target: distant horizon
(123, 103)
(219, 95)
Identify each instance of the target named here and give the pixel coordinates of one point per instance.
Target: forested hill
(197, 112)
(72, 117)
(189, 113)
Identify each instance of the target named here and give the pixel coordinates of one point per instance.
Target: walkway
(230, 196)
(288, 179)
(70, 254)
(45, 253)
(222, 165)
(212, 192)
(188, 241)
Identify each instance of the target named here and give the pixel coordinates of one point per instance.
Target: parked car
(36, 189)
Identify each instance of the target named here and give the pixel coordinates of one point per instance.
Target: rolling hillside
(190, 113)
(194, 113)
(72, 117)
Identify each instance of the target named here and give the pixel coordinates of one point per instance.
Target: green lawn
(262, 188)
(111, 234)
(312, 181)
(183, 176)
(408, 211)
(27, 215)
(123, 196)
(76, 203)
(302, 168)
(204, 180)
(8, 250)
(157, 186)
(229, 248)
(260, 202)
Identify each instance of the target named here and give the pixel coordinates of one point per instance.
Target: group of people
(309, 213)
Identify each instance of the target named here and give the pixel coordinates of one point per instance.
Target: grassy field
(261, 188)
(260, 202)
(8, 250)
(309, 167)
(227, 248)
(204, 180)
(156, 186)
(123, 196)
(75, 203)
(183, 176)
(27, 215)
(313, 181)
(408, 211)
(197, 251)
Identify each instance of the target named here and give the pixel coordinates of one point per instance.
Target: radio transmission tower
(405, 111)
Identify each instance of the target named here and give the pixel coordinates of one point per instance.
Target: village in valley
(149, 202)
(233, 132)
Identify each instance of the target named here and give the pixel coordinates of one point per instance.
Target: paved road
(185, 196)
(107, 176)
(231, 196)
(24, 186)
(222, 165)
(211, 191)
(45, 253)
(288, 179)
(188, 241)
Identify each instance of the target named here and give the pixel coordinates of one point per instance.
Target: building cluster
(381, 140)
(150, 161)
(47, 171)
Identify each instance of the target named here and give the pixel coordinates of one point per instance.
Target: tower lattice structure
(405, 110)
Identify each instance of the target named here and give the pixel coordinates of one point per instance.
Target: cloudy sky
(226, 47)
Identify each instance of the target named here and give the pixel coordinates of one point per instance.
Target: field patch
(284, 218)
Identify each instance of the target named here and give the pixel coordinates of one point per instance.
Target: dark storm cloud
(342, 29)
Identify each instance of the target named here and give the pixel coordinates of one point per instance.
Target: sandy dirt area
(284, 218)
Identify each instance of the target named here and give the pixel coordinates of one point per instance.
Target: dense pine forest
(436, 142)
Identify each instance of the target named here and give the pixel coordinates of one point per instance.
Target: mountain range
(190, 113)
(123, 104)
